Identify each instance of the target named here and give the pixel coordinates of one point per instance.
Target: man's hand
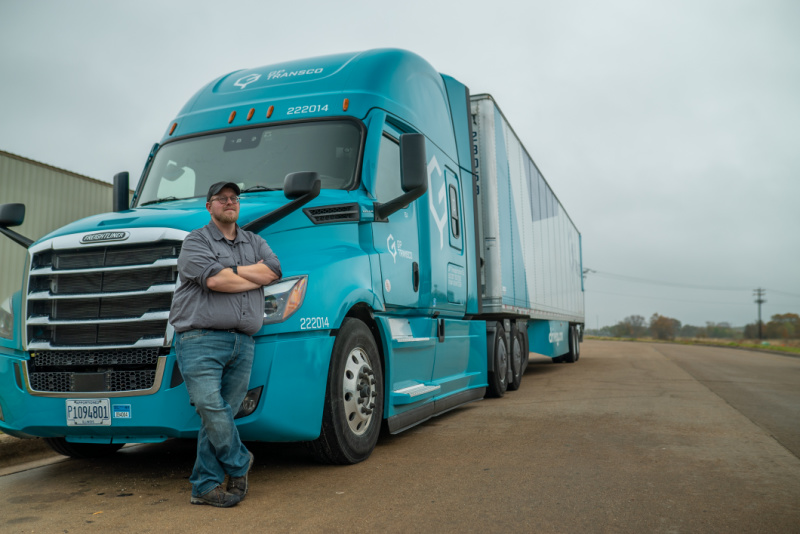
(249, 277)
(258, 273)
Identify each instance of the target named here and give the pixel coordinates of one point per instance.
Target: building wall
(53, 197)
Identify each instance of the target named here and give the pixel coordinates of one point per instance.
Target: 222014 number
(298, 110)
(313, 323)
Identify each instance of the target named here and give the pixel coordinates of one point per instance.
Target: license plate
(88, 412)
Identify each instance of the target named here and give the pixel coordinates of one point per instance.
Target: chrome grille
(97, 316)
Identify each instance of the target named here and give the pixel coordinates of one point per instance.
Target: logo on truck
(105, 236)
(395, 247)
(283, 73)
(433, 165)
(246, 80)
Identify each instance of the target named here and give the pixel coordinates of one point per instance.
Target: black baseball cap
(219, 186)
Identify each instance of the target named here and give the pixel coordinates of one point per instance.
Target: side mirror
(413, 175)
(300, 188)
(120, 200)
(297, 184)
(13, 215)
(413, 162)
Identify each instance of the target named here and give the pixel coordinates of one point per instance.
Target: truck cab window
(387, 181)
(255, 157)
(455, 222)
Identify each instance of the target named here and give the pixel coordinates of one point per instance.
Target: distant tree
(751, 331)
(664, 327)
(783, 326)
(690, 331)
(719, 330)
(631, 326)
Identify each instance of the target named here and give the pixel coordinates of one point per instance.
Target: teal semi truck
(424, 255)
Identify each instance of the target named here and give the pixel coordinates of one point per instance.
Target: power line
(638, 280)
(593, 292)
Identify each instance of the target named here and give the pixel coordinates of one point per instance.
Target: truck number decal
(314, 323)
(314, 108)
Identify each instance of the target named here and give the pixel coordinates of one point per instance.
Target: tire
(498, 379)
(517, 355)
(350, 425)
(572, 355)
(82, 450)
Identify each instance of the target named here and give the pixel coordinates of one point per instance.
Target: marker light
(345, 104)
(250, 115)
(172, 130)
(233, 116)
(283, 298)
(270, 110)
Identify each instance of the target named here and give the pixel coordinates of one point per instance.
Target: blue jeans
(216, 367)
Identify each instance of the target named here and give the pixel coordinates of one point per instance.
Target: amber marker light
(270, 110)
(233, 116)
(250, 115)
(296, 297)
(172, 130)
(345, 104)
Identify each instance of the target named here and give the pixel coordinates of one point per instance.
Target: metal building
(53, 197)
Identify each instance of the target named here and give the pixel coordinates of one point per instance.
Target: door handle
(415, 275)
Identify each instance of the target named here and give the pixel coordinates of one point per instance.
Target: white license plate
(88, 412)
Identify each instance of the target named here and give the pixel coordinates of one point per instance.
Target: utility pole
(759, 294)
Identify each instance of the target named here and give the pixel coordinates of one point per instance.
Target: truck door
(448, 264)
(397, 240)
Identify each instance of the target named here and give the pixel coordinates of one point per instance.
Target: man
(216, 309)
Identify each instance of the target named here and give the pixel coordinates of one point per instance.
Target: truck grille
(97, 317)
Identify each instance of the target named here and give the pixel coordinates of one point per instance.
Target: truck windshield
(257, 159)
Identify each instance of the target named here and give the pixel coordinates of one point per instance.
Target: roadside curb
(14, 451)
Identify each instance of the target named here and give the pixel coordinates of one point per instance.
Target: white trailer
(530, 249)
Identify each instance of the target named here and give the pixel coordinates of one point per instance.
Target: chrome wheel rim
(359, 391)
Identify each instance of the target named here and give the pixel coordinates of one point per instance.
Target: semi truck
(424, 256)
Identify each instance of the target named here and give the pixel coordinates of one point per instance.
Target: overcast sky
(669, 130)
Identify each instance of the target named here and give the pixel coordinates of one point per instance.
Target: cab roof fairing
(397, 81)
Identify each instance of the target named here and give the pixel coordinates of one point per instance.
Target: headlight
(7, 319)
(282, 299)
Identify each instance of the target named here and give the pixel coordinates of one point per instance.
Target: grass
(791, 346)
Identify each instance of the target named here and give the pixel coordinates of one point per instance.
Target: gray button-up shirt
(205, 252)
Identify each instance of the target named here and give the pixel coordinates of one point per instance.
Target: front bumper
(291, 368)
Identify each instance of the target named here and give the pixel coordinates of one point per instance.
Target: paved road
(632, 438)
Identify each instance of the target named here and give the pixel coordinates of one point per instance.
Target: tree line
(781, 326)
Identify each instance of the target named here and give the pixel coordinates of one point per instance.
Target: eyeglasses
(225, 200)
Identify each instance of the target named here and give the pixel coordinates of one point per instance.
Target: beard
(226, 217)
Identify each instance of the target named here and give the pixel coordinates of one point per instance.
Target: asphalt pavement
(634, 437)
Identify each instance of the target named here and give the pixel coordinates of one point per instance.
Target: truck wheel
(498, 383)
(82, 450)
(572, 355)
(516, 358)
(351, 420)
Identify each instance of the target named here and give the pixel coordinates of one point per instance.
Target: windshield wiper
(156, 201)
(260, 188)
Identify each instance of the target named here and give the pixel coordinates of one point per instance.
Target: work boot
(238, 485)
(217, 497)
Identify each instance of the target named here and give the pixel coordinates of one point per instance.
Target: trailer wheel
(351, 420)
(82, 450)
(573, 354)
(517, 358)
(498, 379)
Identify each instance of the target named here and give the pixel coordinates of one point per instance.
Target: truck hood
(186, 215)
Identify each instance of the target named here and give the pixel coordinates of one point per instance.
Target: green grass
(768, 346)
